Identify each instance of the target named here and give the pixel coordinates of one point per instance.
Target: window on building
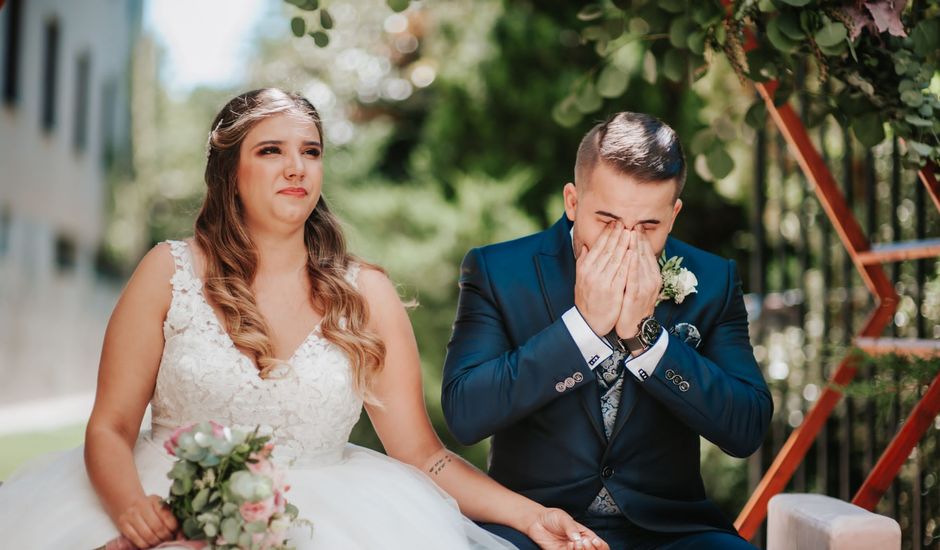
(82, 90)
(6, 217)
(50, 74)
(11, 51)
(108, 100)
(66, 253)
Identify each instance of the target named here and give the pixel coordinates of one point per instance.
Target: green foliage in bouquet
(226, 491)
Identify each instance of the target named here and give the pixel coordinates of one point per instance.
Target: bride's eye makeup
(269, 150)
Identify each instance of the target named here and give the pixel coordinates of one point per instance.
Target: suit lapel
(663, 313)
(555, 265)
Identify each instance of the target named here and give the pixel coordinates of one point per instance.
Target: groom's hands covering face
(600, 278)
(643, 284)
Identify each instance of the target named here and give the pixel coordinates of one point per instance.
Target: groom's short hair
(634, 144)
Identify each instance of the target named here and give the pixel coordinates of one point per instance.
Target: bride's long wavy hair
(232, 259)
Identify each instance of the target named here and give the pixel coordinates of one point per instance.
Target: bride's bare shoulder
(152, 276)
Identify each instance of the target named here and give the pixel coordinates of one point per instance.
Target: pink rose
(280, 503)
(265, 468)
(171, 443)
(218, 430)
(255, 511)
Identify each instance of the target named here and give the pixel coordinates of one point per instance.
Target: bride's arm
(130, 358)
(407, 435)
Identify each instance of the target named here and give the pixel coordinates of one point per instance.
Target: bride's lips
(293, 191)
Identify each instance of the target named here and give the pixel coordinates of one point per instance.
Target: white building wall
(52, 318)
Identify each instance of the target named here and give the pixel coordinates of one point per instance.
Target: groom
(596, 396)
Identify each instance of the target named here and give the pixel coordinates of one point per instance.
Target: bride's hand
(554, 529)
(147, 522)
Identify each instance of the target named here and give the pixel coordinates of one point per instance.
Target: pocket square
(688, 333)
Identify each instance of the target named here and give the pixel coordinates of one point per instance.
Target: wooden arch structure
(867, 259)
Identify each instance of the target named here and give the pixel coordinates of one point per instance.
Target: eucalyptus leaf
(796, 3)
(789, 24)
(869, 129)
(565, 113)
(673, 65)
(320, 38)
(836, 50)
(831, 34)
(926, 36)
(595, 32)
(918, 121)
(200, 500)
(254, 527)
(326, 20)
(719, 162)
(705, 13)
(591, 12)
(612, 82)
(614, 27)
(398, 6)
(588, 100)
(756, 115)
(696, 42)
(210, 529)
(913, 98)
(298, 26)
(673, 6)
(679, 30)
(191, 529)
(766, 6)
(921, 149)
(778, 39)
(702, 141)
(306, 5)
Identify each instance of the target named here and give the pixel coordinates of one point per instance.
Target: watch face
(649, 330)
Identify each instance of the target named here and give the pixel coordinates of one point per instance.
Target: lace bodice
(309, 407)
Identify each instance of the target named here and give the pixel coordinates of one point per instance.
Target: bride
(263, 318)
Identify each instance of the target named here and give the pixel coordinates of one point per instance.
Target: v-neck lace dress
(355, 497)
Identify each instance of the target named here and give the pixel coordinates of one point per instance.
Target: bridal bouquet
(226, 491)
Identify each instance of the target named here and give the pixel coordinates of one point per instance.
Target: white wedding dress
(356, 498)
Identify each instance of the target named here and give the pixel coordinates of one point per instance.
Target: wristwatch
(647, 332)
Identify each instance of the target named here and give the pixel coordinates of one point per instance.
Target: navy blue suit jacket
(510, 348)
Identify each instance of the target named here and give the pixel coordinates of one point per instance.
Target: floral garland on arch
(871, 63)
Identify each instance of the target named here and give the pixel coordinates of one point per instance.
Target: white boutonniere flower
(678, 282)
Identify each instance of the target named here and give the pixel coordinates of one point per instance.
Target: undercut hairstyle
(636, 145)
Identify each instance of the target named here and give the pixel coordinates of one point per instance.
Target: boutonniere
(678, 282)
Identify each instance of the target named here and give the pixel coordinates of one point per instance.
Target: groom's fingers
(600, 246)
(651, 266)
(617, 248)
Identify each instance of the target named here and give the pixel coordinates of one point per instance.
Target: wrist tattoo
(439, 466)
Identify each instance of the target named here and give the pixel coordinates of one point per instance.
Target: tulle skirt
(365, 500)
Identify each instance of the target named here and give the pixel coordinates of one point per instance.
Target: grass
(15, 450)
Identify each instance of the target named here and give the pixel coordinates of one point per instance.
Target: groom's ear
(675, 213)
(571, 200)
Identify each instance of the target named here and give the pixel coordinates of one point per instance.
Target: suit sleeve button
(607, 472)
(670, 374)
(560, 387)
(684, 386)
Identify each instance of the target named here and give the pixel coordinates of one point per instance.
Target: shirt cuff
(643, 365)
(594, 349)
